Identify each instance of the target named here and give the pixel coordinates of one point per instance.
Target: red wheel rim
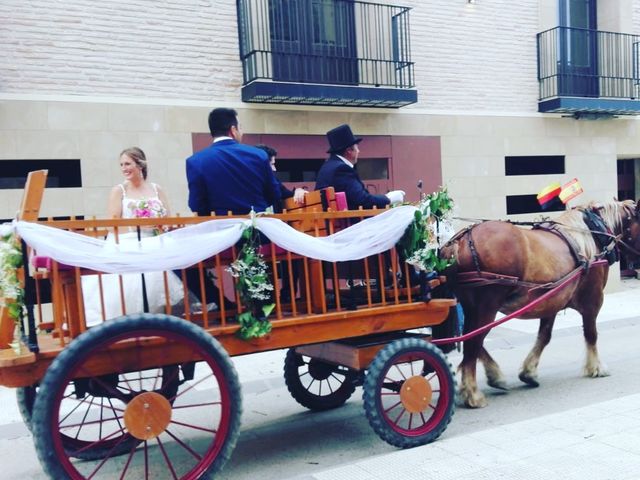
(390, 405)
(199, 443)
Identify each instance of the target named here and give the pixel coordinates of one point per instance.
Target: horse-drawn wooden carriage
(156, 394)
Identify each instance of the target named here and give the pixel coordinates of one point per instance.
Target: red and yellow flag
(570, 190)
(548, 193)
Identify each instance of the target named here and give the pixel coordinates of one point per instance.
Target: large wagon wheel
(170, 422)
(315, 384)
(409, 393)
(166, 378)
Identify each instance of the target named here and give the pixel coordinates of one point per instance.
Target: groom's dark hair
(221, 120)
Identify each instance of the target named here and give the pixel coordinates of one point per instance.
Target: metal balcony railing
(337, 42)
(576, 62)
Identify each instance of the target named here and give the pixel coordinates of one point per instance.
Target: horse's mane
(572, 223)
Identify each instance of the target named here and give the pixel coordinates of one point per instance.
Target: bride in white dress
(134, 198)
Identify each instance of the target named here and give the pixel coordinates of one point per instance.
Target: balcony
(588, 73)
(325, 52)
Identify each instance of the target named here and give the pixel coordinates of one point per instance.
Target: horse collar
(601, 234)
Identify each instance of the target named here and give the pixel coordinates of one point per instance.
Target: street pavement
(600, 441)
(596, 437)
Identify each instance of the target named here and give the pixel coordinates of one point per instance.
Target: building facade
(493, 98)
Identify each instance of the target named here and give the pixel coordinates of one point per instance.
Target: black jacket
(343, 178)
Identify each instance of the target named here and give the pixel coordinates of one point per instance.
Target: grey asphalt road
(281, 440)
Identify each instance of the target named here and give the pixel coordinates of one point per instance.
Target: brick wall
(170, 49)
(479, 57)
(469, 58)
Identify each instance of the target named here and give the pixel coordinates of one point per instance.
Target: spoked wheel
(26, 398)
(110, 396)
(409, 393)
(317, 385)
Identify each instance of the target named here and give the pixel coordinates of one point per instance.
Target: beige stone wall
(473, 148)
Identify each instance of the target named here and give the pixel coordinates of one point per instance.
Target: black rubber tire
(379, 390)
(26, 397)
(59, 374)
(344, 379)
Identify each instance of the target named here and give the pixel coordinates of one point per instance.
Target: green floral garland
(11, 292)
(421, 241)
(254, 287)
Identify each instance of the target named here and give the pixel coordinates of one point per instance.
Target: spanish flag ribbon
(570, 190)
(548, 194)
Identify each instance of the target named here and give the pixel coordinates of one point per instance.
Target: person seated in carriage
(339, 172)
(228, 177)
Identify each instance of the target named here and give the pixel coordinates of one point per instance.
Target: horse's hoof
(499, 384)
(529, 380)
(596, 372)
(476, 403)
(473, 401)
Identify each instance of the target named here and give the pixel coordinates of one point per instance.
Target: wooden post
(29, 211)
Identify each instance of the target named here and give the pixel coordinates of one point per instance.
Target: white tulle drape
(186, 246)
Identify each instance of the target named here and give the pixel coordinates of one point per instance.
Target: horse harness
(603, 237)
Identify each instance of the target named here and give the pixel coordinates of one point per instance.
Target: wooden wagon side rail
(323, 306)
(312, 218)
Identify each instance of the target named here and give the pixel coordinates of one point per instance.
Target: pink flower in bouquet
(150, 208)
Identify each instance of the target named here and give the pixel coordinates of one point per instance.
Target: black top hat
(341, 138)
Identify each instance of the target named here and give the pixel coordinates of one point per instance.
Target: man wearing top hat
(339, 172)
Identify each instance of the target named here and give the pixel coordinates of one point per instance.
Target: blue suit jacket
(337, 174)
(229, 176)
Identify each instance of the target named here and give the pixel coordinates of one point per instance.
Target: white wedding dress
(131, 283)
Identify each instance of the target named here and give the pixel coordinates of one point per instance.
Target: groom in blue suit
(339, 172)
(228, 176)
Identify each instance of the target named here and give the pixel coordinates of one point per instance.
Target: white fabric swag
(187, 246)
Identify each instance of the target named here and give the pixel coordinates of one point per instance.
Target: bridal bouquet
(147, 208)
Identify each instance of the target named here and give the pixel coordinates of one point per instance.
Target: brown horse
(501, 267)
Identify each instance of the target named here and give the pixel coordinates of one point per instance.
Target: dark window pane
(373, 168)
(298, 170)
(534, 165)
(62, 173)
(517, 204)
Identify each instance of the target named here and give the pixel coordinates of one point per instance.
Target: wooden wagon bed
(129, 385)
(328, 307)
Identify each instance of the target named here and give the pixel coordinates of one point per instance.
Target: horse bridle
(628, 239)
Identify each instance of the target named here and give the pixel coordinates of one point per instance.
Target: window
(313, 41)
(297, 170)
(578, 65)
(62, 173)
(534, 165)
(517, 204)
(373, 168)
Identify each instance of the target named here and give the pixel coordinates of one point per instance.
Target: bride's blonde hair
(137, 155)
